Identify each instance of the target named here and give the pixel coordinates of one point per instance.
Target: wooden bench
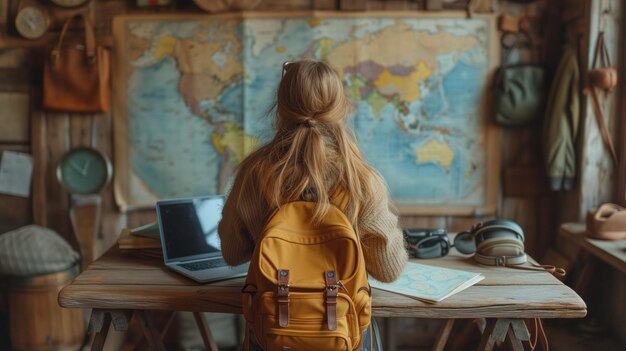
(592, 251)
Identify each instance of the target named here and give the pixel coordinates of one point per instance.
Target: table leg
(515, 343)
(152, 334)
(120, 319)
(205, 331)
(442, 337)
(587, 269)
(99, 323)
(497, 330)
(163, 325)
(518, 333)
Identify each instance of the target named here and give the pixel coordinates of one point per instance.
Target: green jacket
(561, 122)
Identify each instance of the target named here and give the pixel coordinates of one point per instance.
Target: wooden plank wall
(15, 128)
(599, 175)
(598, 169)
(55, 133)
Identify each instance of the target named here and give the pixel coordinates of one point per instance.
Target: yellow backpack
(307, 285)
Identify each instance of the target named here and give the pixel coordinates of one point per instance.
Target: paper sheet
(16, 170)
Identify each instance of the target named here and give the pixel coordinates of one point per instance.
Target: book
(150, 230)
(129, 241)
(146, 253)
(429, 283)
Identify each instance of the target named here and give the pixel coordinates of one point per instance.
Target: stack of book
(144, 239)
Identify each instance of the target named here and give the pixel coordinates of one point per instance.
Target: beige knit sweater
(381, 239)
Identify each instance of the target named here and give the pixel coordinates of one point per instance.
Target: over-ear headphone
(499, 242)
(427, 242)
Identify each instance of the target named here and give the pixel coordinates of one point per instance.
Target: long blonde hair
(313, 151)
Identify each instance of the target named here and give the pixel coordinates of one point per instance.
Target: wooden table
(119, 284)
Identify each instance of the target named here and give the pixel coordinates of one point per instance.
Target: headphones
(497, 242)
(427, 242)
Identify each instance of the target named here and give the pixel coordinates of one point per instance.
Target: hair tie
(308, 122)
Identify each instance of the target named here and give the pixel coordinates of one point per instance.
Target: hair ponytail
(312, 151)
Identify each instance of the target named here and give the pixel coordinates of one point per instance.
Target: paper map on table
(429, 283)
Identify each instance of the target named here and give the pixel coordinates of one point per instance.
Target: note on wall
(16, 169)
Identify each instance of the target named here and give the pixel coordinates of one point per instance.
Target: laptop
(191, 246)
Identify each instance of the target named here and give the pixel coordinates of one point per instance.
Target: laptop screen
(189, 226)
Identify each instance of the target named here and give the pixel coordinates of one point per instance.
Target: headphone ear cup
(464, 243)
(501, 247)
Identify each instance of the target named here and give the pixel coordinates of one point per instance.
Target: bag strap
(606, 136)
(518, 45)
(90, 39)
(538, 335)
(282, 296)
(555, 271)
(331, 299)
(246, 337)
(339, 197)
(601, 52)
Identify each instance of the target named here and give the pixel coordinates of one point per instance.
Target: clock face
(84, 171)
(69, 3)
(31, 22)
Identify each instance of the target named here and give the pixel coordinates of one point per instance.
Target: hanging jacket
(561, 122)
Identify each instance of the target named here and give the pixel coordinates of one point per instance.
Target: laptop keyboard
(196, 266)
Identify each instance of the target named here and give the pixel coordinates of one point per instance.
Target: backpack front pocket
(307, 322)
(305, 340)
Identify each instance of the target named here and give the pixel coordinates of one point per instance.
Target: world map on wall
(197, 95)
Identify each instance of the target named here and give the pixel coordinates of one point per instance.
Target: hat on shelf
(607, 222)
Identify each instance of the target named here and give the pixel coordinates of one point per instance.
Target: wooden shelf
(11, 42)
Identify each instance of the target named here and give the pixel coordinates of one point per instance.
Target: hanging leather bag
(77, 72)
(603, 77)
(519, 92)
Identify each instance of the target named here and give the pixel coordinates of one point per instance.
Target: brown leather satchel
(77, 73)
(605, 76)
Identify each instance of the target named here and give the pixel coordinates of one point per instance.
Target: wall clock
(69, 3)
(32, 21)
(84, 170)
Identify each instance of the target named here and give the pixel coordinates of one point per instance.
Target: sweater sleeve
(236, 241)
(381, 239)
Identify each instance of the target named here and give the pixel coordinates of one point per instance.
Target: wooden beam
(150, 331)
(205, 331)
(353, 5)
(39, 142)
(325, 4)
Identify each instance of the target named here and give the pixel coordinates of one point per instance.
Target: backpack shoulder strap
(340, 198)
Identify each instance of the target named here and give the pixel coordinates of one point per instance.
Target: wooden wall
(47, 136)
(52, 134)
